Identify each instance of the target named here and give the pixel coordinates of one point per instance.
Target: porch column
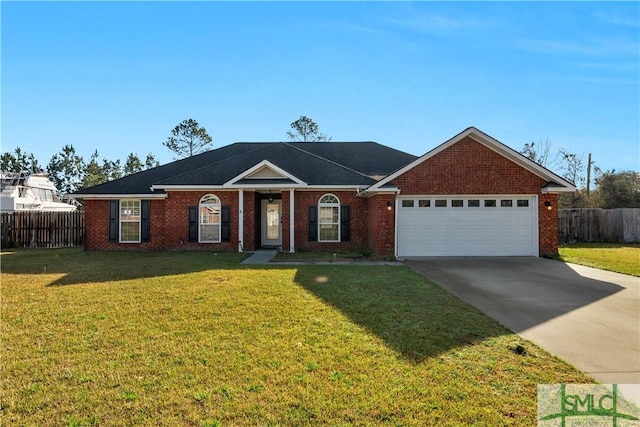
(292, 221)
(240, 220)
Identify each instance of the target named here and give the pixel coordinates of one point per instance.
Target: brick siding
(469, 167)
(381, 224)
(358, 221)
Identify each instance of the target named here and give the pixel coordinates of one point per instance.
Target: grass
(621, 258)
(307, 256)
(195, 339)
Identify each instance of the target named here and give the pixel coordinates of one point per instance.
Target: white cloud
(624, 20)
(458, 20)
(593, 47)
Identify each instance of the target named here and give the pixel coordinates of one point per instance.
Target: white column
(240, 220)
(292, 221)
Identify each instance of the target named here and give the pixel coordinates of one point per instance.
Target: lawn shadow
(81, 267)
(414, 317)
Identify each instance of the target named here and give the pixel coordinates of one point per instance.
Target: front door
(271, 223)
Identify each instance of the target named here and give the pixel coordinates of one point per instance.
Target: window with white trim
(209, 219)
(130, 221)
(329, 218)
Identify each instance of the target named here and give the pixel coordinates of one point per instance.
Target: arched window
(329, 218)
(209, 219)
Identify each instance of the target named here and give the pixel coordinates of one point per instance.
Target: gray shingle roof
(327, 163)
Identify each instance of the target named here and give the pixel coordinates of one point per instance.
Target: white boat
(30, 191)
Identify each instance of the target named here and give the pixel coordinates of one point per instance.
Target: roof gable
(560, 184)
(264, 173)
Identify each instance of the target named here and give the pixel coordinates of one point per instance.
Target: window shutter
(114, 207)
(345, 223)
(193, 223)
(145, 220)
(313, 223)
(225, 224)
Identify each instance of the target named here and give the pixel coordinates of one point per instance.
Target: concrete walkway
(586, 316)
(262, 256)
(265, 256)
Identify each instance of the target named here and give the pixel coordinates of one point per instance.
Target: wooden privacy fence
(42, 229)
(599, 225)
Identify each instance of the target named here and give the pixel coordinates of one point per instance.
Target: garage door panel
(468, 231)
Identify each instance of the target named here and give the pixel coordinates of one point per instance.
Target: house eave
(118, 196)
(368, 192)
(552, 190)
(284, 186)
(335, 187)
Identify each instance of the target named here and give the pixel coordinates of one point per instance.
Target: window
(209, 219)
(473, 203)
(457, 203)
(424, 203)
(407, 203)
(130, 221)
(506, 203)
(489, 203)
(441, 203)
(523, 203)
(329, 219)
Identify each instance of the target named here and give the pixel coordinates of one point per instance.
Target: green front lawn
(308, 256)
(195, 339)
(621, 258)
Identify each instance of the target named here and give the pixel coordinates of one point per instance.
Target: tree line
(596, 188)
(70, 172)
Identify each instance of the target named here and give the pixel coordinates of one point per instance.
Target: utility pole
(588, 173)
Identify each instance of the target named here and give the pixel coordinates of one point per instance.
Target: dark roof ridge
(305, 143)
(291, 144)
(262, 146)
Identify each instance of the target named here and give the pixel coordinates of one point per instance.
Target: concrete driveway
(586, 316)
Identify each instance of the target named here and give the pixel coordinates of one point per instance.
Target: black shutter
(345, 223)
(193, 223)
(145, 220)
(225, 224)
(114, 207)
(313, 223)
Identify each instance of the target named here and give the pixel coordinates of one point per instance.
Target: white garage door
(468, 226)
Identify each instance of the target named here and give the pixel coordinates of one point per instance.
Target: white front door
(271, 223)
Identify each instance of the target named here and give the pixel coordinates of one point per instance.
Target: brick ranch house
(471, 195)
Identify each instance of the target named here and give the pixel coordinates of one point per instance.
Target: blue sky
(118, 76)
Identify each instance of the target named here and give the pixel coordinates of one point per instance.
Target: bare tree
(539, 153)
